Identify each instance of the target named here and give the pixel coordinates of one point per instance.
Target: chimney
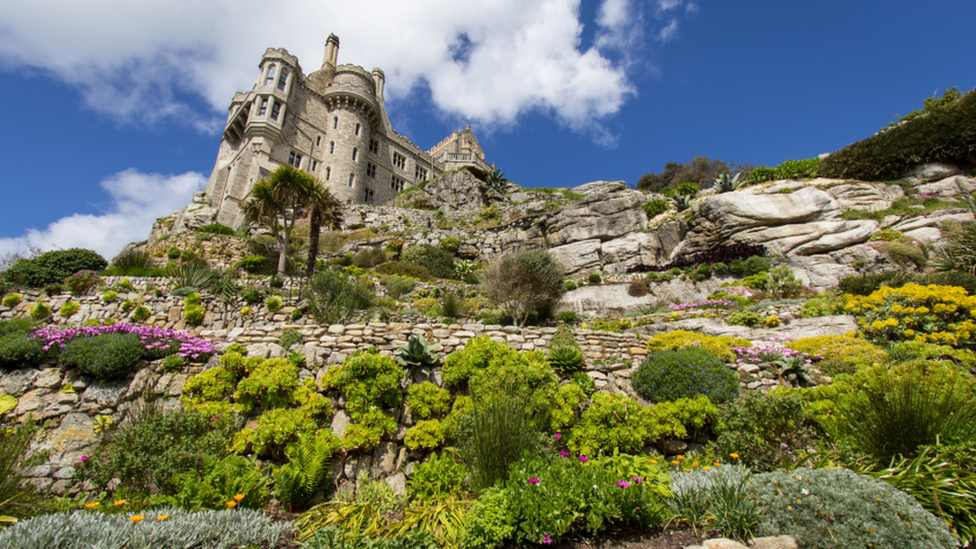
(331, 51)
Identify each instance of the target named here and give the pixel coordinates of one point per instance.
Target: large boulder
(931, 172)
(870, 197)
(608, 210)
(950, 187)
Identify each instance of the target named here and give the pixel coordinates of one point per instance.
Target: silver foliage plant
(226, 529)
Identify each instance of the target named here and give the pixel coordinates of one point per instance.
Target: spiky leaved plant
(726, 183)
(297, 481)
(565, 359)
(417, 353)
(682, 201)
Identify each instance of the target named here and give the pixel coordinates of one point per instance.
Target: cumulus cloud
(487, 61)
(137, 200)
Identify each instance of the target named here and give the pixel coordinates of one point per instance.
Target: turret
(379, 79)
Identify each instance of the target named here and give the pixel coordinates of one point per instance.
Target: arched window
(357, 129)
(352, 178)
(355, 152)
(269, 81)
(283, 79)
(335, 122)
(331, 147)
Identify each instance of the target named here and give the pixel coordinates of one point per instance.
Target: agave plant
(417, 353)
(682, 201)
(725, 183)
(565, 359)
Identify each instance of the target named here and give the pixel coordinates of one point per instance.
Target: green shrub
(451, 244)
(367, 381)
(437, 480)
(933, 314)
(716, 498)
(82, 282)
(307, 470)
(403, 268)
(141, 313)
(565, 359)
(19, 350)
(132, 263)
(334, 297)
(173, 253)
(656, 207)
(904, 255)
(496, 434)
(855, 352)
(425, 435)
(151, 447)
(40, 310)
(397, 286)
(782, 284)
(55, 266)
(12, 300)
(216, 228)
(612, 422)
(289, 337)
(767, 430)
(254, 264)
(437, 261)
(194, 314)
(743, 318)
(17, 496)
(428, 400)
(946, 135)
(368, 257)
(222, 480)
(525, 283)
(566, 404)
(105, 356)
(69, 308)
(750, 266)
(887, 235)
(273, 304)
(830, 508)
(110, 296)
(670, 375)
(569, 285)
(593, 279)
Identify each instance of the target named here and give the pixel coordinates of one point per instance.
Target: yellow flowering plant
(942, 315)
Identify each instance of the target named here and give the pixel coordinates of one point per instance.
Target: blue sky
(115, 108)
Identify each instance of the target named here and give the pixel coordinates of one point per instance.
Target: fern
(297, 481)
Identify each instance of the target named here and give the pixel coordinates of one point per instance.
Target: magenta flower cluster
(702, 304)
(157, 340)
(765, 352)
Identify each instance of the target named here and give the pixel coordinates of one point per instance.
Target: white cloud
(669, 32)
(137, 200)
(148, 60)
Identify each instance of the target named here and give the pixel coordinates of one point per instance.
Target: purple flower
(533, 480)
(546, 540)
(584, 459)
(638, 480)
(623, 483)
(564, 454)
(558, 436)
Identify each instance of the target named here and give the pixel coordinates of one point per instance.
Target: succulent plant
(565, 359)
(682, 201)
(726, 183)
(417, 353)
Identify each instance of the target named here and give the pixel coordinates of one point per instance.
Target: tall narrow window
(371, 170)
(318, 141)
(269, 81)
(399, 160)
(420, 173)
(331, 147)
(357, 129)
(295, 160)
(355, 152)
(352, 178)
(335, 122)
(328, 172)
(264, 107)
(315, 165)
(368, 196)
(275, 110)
(374, 146)
(283, 79)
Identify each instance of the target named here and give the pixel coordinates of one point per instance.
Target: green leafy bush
(82, 282)
(404, 268)
(497, 433)
(151, 447)
(438, 262)
(55, 266)
(41, 309)
(254, 264)
(368, 257)
(110, 296)
(141, 313)
(273, 304)
(904, 254)
(17, 496)
(194, 314)
(12, 300)
(830, 508)
(367, 381)
(289, 337)
(105, 356)
(216, 228)
(612, 422)
(17, 348)
(428, 400)
(750, 266)
(451, 244)
(525, 283)
(670, 375)
(489, 368)
(425, 435)
(767, 430)
(219, 480)
(437, 480)
(720, 347)
(743, 318)
(334, 297)
(656, 207)
(307, 470)
(945, 135)
(846, 354)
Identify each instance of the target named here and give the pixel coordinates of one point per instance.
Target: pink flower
(534, 480)
(638, 480)
(84, 458)
(623, 483)
(546, 540)
(584, 459)
(558, 436)
(564, 454)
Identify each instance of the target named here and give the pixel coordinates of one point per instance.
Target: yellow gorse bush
(932, 314)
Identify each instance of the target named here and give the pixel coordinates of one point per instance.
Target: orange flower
(734, 456)
(239, 497)
(121, 502)
(136, 518)
(92, 505)
(162, 517)
(231, 504)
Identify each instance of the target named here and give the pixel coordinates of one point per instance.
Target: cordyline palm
(327, 211)
(279, 201)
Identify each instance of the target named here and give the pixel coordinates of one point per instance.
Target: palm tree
(326, 210)
(278, 202)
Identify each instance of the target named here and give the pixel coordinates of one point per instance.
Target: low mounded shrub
(12, 300)
(273, 304)
(670, 375)
(834, 508)
(55, 266)
(82, 282)
(69, 309)
(720, 347)
(403, 268)
(105, 356)
(194, 314)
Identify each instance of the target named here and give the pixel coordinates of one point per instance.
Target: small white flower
(805, 492)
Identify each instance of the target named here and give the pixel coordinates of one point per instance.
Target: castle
(330, 123)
